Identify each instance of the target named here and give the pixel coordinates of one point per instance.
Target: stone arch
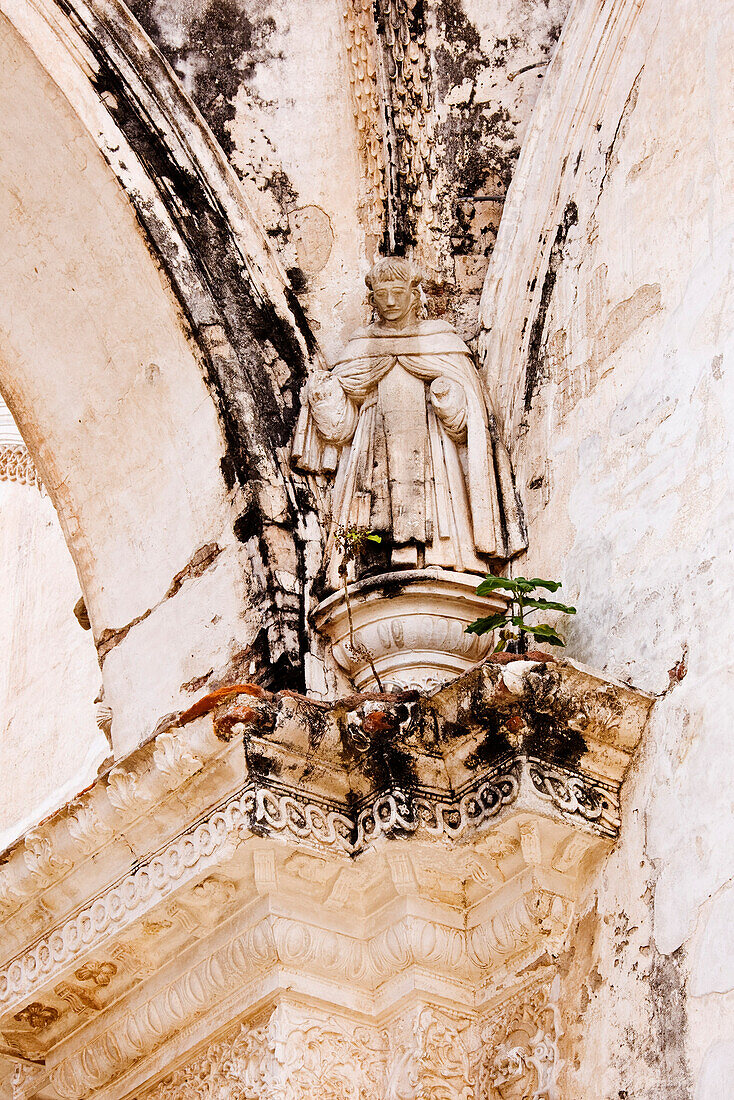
(582, 87)
(150, 350)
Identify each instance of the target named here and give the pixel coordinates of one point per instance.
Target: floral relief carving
(428, 1059)
(284, 1059)
(41, 859)
(520, 1059)
(38, 1016)
(99, 973)
(86, 826)
(125, 791)
(174, 760)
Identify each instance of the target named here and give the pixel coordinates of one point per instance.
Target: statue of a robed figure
(403, 420)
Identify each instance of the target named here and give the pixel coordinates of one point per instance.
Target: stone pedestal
(412, 624)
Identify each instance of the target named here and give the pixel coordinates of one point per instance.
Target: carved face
(395, 301)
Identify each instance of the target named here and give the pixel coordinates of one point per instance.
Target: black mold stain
(260, 764)
(298, 280)
(249, 524)
(668, 999)
(490, 752)
(387, 766)
(480, 147)
(236, 327)
(534, 371)
(229, 474)
(551, 740)
(217, 52)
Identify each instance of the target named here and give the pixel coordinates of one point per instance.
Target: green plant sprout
(523, 601)
(354, 543)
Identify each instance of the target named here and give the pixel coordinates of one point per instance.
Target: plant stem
(353, 645)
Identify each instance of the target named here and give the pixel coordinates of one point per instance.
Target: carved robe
(402, 419)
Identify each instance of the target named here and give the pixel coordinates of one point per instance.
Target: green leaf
(374, 538)
(549, 605)
(501, 646)
(517, 620)
(491, 584)
(483, 626)
(542, 630)
(524, 585)
(551, 586)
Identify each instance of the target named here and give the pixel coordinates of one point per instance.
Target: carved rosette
(411, 624)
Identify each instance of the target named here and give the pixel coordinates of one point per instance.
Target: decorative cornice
(382, 766)
(328, 829)
(255, 809)
(292, 1054)
(307, 950)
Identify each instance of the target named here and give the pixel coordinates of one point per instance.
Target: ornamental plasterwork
(15, 462)
(457, 851)
(17, 465)
(510, 1054)
(392, 98)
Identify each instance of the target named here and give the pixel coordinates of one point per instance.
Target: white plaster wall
(97, 367)
(50, 747)
(625, 458)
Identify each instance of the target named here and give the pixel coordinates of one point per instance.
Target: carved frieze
(423, 1052)
(17, 465)
(285, 1057)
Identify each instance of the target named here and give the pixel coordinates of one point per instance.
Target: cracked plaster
(625, 462)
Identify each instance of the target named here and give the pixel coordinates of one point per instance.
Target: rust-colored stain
(214, 698)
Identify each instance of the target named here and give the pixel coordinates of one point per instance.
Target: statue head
(395, 291)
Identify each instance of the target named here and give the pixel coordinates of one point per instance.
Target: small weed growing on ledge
(512, 624)
(354, 543)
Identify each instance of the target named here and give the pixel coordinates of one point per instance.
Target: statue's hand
(449, 402)
(335, 416)
(323, 387)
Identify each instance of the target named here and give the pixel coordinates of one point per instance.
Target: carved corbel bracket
(457, 830)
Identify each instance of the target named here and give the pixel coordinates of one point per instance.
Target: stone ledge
(578, 727)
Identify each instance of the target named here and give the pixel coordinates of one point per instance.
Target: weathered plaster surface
(272, 79)
(110, 395)
(623, 419)
(49, 676)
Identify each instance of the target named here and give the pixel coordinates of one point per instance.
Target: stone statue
(404, 422)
